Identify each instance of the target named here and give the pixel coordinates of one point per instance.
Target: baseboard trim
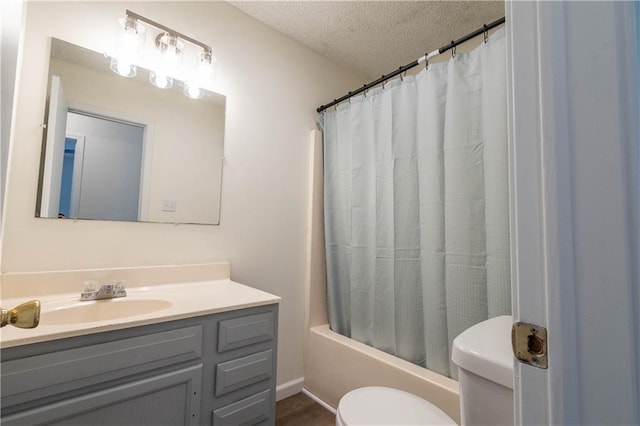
(319, 401)
(288, 389)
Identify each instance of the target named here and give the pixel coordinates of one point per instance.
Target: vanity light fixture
(204, 72)
(170, 50)
(166, 56)
(129, 44)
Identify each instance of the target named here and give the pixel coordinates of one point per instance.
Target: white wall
(10, 21)
(273, 86)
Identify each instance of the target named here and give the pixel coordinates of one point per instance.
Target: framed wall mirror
(118, 148)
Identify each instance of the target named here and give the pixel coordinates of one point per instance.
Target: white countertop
(185, 300)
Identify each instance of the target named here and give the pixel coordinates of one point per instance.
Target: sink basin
(101, 310)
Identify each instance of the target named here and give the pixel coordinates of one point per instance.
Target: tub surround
(190, 290)
(336, 365)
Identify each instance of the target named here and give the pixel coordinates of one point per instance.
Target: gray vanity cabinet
(211, 370)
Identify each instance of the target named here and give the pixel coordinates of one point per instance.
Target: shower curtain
(416, 207)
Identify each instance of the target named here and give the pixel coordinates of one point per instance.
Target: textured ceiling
(373, 37)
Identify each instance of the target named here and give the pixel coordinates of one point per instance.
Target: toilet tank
(484, 358)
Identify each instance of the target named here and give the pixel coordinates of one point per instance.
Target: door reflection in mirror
(72, 148)
(101, 172)
(93, 164)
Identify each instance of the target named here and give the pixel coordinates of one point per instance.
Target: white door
(54, 150)
(111, 167)
(575, 188)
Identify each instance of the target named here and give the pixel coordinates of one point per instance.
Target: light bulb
(130, 40)
(128, 47)
(206, 68)
(170, 49)
(160, 80)
(192, 91)
(170, 58)
(201, 76)
(122, 68)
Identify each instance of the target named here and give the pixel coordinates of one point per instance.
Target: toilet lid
(376, 405)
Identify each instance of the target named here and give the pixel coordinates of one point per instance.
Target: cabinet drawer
(248, 411)
(56, 372)
(238, 332)
(241, 372)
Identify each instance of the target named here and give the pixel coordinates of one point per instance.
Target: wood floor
(300, 410)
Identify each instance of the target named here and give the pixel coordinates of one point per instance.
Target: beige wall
(273, 86)
(10, 25)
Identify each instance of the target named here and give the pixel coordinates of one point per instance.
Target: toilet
(484, 358)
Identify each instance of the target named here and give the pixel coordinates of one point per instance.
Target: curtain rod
(417, 62)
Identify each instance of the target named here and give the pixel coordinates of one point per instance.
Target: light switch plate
(168, 205)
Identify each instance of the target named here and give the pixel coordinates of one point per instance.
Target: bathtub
(335, 364)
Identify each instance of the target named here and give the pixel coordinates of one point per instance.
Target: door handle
(529, 343)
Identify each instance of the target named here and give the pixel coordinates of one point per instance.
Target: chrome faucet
(105, 291)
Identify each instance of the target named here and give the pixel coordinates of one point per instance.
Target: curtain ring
(426, 61)
(486, 34)
(453, 49)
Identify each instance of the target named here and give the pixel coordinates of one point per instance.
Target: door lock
(529, 344)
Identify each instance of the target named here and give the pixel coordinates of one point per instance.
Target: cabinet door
(167, 399)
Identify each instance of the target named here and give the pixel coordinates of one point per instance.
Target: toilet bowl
(485, 372)
(377, 405)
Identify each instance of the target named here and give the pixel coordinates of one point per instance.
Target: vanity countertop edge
(188, 300)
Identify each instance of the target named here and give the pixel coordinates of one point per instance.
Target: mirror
(118, 148)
